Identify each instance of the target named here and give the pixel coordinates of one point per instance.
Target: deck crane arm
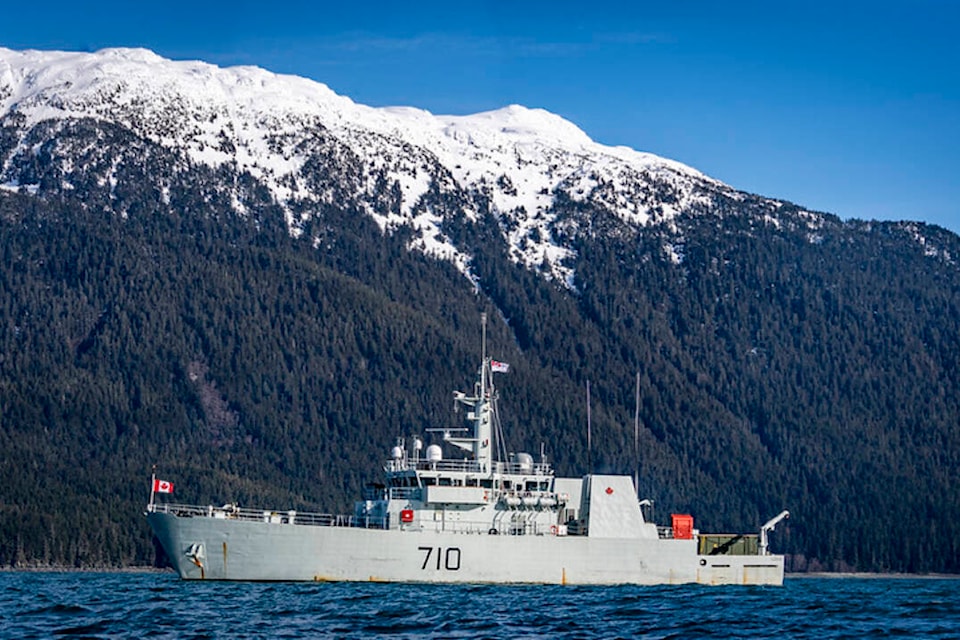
(769, 526)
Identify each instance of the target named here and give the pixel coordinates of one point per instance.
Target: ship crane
(769, 526)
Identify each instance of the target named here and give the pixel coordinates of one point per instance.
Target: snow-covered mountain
(403, 166)
(155, 309)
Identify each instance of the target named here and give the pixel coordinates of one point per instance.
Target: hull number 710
(439, 558)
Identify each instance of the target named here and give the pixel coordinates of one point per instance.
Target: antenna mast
(636, 439)
(483, 336)
(589, 443)
(481, 413)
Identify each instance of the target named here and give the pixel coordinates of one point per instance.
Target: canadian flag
(162, 486)
(499, 367)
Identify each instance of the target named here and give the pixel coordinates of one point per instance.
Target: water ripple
(157, 605)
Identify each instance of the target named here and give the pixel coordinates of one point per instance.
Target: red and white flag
(162, 486)
(499, 367)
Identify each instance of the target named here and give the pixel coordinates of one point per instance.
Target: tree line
(780, 367)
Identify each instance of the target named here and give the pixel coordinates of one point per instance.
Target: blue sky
(846, 106)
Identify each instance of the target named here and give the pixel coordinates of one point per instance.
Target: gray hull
(218, 549)
(471, 517)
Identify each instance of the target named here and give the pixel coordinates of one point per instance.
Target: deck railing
(233, 512)
(540, 469)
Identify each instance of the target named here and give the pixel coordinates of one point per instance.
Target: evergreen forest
(778, 369)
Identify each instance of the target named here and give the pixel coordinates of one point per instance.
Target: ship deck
(234, 512)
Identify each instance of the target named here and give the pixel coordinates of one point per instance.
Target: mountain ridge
(513, 161)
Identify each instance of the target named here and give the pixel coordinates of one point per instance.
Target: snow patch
(16, 187)
(516, 160)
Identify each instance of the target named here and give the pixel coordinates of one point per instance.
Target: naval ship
(457, 512)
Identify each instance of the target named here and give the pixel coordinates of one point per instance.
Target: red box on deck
(682, 526)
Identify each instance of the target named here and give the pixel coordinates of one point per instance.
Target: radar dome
(525, 461)
(434, 453)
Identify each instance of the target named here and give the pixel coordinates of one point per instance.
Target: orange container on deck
(682, 526)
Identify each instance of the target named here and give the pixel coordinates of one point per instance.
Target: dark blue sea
(158, 605)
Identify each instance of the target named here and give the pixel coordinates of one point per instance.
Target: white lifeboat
(511, 499)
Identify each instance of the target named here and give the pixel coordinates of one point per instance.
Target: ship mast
(483, 337)
(481, 414)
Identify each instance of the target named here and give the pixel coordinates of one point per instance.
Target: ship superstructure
(473, 492)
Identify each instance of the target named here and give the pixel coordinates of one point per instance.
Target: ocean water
(158, 605)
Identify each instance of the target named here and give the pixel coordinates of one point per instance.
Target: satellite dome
(525, 461)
